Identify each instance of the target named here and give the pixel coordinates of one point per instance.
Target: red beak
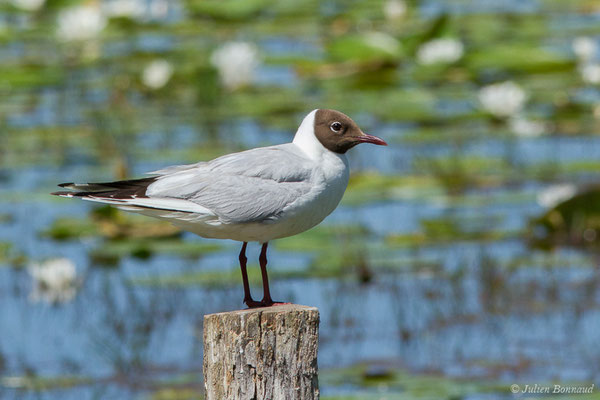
(364, 138)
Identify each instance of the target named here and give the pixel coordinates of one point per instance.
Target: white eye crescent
(336, 127)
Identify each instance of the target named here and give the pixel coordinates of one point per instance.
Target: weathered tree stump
(262, 353)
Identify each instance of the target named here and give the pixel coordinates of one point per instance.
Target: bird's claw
(263, 303)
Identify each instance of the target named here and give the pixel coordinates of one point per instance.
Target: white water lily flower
(502, 99)
(80, 23)
(28, 5)
(55, 281)
(524, 127)
(555, 194)
(584, 47)
(157, 74)
(394, 9)
(590, 73)
(236, 63)
(444, 50)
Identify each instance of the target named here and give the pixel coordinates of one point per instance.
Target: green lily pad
(41, 383)
(214, 278)
(371, 187)
(146, 248)
(30, 76)
(175, 393)
(5, 249)
(71, 228)
(109, 222)
(400, 384)
(320, 238)
(458, 173)
(266, 105)
(366, 47)
(234, 10)
(520, 58)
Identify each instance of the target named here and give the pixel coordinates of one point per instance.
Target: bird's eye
(336, 126)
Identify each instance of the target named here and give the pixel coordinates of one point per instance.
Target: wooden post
(262, 353)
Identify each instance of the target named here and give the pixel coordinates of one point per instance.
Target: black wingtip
(65, 185)
(61, 193)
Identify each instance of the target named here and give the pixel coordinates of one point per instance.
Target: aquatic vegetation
(40, 383)
(31, 75)
(551, 171)
(177, 394)
(335, 252)
(10, 256)
(210, 279)
(71, 228)
(369, 47)
(393, 382)
(110, 223)
(454, 230)
(457, 174)
(518, 59)
(147, 247)
(369, 187)
(321, 237)
(181, 386)
(234, 10)
(342, 263)
(126, 235)
(28, 5)
(487, 107)
(5, 248)
(574, 221)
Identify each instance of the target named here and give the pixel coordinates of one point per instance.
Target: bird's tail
(119, 190)
(130, 195)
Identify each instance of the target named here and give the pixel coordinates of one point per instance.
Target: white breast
(330, 181)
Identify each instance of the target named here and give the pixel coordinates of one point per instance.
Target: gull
(256, 195)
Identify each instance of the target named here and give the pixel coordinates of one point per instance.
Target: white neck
(305, 137)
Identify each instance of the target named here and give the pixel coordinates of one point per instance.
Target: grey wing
(238, 199)
(255, 185)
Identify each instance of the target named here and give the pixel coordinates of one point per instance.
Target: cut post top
(279, 308)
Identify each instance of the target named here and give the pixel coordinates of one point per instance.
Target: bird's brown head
(338, 133)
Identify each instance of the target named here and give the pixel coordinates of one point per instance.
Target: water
(425, 270)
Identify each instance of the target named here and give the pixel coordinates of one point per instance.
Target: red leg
(247, 296)
(267, 301)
